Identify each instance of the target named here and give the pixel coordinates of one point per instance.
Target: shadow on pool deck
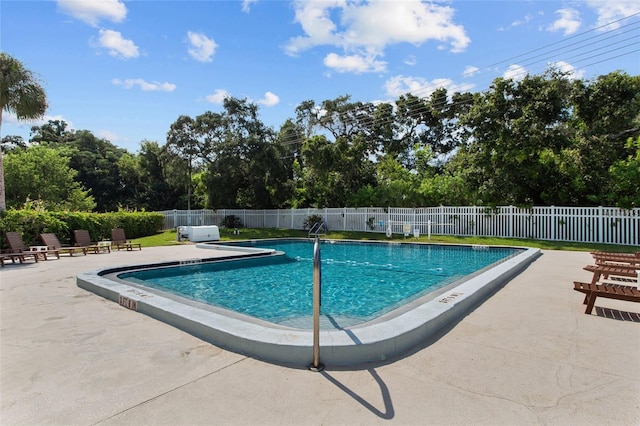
(528, 355)
(617, 314)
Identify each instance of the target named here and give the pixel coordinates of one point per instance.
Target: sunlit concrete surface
(528, 355)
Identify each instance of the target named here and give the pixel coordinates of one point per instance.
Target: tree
(21, 94)
(332, 171)
(54, 131)
(96, 161)
(182, 142)
(518, 128)
(607, 113)
(11, 142)
(156, 192)
(341, 118)
(623, 186)
(428, 122)
(50, 181)
(131, 177)
(247, 165)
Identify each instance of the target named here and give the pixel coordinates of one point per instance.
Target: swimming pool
(360, 280)
(387, 336)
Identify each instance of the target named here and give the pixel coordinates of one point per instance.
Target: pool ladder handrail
(316, 229)
(316, 365)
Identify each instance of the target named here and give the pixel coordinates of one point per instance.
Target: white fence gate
(608, 225)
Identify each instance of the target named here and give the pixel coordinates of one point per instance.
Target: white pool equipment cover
(199, 233)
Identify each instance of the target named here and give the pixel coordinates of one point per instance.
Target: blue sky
(126, 70)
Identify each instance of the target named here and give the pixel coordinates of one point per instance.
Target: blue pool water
(360, 281)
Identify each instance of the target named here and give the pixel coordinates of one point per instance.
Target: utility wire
(632, 28)
(586, 49)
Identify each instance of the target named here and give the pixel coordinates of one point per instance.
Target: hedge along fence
(31, 223)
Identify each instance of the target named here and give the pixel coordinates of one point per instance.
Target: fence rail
(607, 225)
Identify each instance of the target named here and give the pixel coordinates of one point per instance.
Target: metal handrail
(317, 301)
(316, 228)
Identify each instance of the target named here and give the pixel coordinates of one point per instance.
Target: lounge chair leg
(592, 300)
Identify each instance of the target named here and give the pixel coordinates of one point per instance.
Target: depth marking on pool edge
(450, 297)
(128, 303)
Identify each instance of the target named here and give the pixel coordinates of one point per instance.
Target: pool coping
(376, 341)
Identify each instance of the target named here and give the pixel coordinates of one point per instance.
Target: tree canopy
(21, 94)
(543, 140)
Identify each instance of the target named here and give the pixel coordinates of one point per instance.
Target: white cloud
(218, 96)
(116, 45)
(353, 63)
(270, 99)
(470, 71)
(377, 24)
(92, 11)
(317, 25)
(246, 5)
(202, 47)
(144, 85)
(401, 85)
(108, 135)
(519, 22)
(411, 60)
(515, 72)
(568, 21)
(523, 21)
(613, 10)
(11, 119)
(365, 28)
(572, 72)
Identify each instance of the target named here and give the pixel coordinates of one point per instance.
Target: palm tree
(21, 94)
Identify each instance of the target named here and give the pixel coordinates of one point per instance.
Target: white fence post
(344, 218)
(600, 224)
(510, 222)
(608, 225)
(554, 220)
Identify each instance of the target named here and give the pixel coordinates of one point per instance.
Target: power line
(554, 55)
(549, 54)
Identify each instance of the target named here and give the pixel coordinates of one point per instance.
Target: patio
(528, 355)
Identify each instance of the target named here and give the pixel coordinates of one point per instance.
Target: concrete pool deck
(528, 355)
(380, 339)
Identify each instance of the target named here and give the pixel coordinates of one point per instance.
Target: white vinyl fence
(609, 225)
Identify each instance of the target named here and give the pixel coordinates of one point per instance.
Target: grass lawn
(168, 238)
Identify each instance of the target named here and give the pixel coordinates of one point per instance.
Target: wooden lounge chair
(83, 239)
(119, 240)
(18, 246)
(52, 242)
(611, 253)
(617, 258)
(11, 256)
(613, 272)
(611, 291)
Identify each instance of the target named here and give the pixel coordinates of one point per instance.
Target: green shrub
(231, 221)
(311, 220)
(31, 223)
